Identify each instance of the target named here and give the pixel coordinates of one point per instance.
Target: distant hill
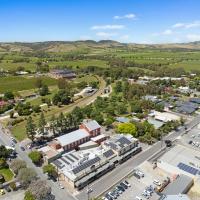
(67, 46)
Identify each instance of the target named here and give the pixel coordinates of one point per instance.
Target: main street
(121, 171)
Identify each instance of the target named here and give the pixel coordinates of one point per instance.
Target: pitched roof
(72, 137)
(92, 125)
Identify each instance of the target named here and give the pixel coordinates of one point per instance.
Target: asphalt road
(121, 171)
(60, 194)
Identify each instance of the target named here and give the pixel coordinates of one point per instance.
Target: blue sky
(138, 21)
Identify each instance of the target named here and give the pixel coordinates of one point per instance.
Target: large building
(72, 140)
(62, 73)
(79, 168)
(91, 126)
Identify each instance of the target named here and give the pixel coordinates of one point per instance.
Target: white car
(138, 198)
(156, 182)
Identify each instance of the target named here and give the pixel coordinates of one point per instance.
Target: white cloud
(106, 34)
(187, 25)
(167, 32)
(127, 16)
(193, 37)
(107, 27)
(178, 25)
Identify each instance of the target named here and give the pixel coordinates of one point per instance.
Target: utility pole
(89, 190)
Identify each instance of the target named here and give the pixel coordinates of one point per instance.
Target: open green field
(188, 65)
(19, 83)
(6, 172)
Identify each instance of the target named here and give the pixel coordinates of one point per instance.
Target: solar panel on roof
(69, 158)
(188, 168)
(58, 164)
(72, 155)
(123, 141)
(65, 161)
(108, 153)
(85, 165)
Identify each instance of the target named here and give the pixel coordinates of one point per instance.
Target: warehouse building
(181, 185)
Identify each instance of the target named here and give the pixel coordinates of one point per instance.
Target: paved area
(19, 195)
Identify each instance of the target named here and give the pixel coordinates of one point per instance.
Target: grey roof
(122, 119)
(72, 137)
(195, 100)
(157, 124)
(175, 197)
(85, 165)
(92, 125)
(185, 109)
(180, 186)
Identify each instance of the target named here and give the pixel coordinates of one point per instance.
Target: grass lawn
(7, 173)
(16, 83)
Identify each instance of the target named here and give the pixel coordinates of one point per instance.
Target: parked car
(156, 182)
(8, 189)
(107, 196)
(123, 185)
(112, 195)
(22, 148)
(119, 187)
(138, 198)
(127, 183)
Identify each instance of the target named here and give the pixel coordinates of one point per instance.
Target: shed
(181, 185)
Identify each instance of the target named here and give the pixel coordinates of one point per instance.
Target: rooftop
(175, 197)
(180, 185)
(72, 137)
(91, 125)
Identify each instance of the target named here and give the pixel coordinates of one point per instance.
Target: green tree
(30, 128)
(29, 196)
(42, 123)
(26, 176)
(17, 164)
(8, 95)
(50, 170)
(44, 90)
(36, 157)
(127, 128)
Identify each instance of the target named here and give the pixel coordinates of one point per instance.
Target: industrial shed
(181, 185)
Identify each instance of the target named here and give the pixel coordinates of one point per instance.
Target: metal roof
(175, 197)
(180, 186)
(92, 125)
(85, 165)
(72, 137)
(122, 119)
